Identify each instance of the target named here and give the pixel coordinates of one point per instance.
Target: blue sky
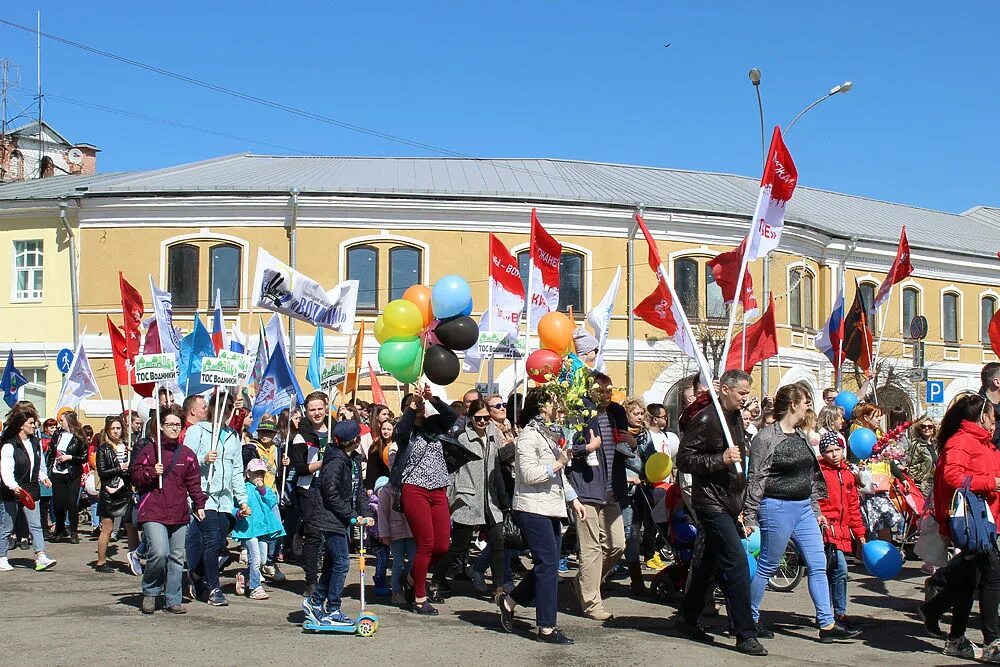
(580, 80)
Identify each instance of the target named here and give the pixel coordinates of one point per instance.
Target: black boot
(638, 585)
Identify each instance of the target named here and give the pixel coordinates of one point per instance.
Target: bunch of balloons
(555, 334)
(421, 332)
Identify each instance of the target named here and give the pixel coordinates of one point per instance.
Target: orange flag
(378, 396)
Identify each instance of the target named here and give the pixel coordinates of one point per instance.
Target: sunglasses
(480, 418)
(498, 406)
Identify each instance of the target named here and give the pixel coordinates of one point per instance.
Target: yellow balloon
(658, 467)
(380, 330)
(401, 319)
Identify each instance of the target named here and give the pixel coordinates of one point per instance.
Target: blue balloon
(468, 309)
(752, 543)
(847, 400)
(450, 296)
(882, 559)
(752, 564)
(861, 442)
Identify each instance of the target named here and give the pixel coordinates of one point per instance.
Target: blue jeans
(256, 556)
(838, 585)
(541, 585)
(403, 553)
(633, 533)
(7, 516)
(781, 520)
(164, 561)
(205, 541)
(336, 565)
(272, 545)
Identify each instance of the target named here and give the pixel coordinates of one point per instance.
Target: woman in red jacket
(163, 510)
(966, 452)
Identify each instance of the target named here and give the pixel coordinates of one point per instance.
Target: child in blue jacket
(256, 531)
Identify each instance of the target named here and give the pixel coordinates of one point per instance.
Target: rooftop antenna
(38, 49)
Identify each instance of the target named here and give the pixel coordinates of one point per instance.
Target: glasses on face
(927, 427)
(171, 425)
(498, 406)
(481, 418)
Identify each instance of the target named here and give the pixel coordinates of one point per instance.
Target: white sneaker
(991, 653)
(962, 648)
(43, 562)
(240, 584)
(5, 565)
(479, 581)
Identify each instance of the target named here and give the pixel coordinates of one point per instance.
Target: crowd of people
(475, 485)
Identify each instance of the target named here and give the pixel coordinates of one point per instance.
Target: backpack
(973, 528)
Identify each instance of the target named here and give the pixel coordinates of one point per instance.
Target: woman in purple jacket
(164, 513)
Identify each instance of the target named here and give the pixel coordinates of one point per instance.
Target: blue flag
(277, 390)
(317, 360)
(12, 381)
(194, 347)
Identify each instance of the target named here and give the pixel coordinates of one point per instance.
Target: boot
(638, 585)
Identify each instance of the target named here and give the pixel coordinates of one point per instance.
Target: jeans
(256, 556)
(541, 584)
(336, 565)
(838, 584)
(461, 537)
(485, 559)
(403, 552)
(633, 533)
(205, 541)
(164, 561)
(427, 513)
(312, 540)
(958, 585)
(7, 517)
(779, 521)
(66, 501)
(272, 545)
(723, 551)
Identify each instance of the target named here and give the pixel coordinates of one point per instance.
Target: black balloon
(457, 333)
(441, 366)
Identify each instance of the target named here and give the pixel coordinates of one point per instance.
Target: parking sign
(935, 391)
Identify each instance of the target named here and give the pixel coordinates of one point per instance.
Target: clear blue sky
(582, 80)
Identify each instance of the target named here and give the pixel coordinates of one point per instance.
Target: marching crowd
(519, 476)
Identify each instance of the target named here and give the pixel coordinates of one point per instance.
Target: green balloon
(412, 372)
(397, 355)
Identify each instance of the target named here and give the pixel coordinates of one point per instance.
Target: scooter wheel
(367, 627)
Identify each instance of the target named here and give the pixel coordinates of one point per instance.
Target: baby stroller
(679, 532)
(910, 504)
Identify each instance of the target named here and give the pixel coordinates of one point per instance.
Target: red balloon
(541, 363)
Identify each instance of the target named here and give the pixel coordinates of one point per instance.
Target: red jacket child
(841, 507)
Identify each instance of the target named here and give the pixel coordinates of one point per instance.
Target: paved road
(71, 615)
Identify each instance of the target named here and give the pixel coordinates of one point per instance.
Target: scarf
(552, 432)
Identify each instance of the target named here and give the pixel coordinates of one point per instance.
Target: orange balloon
(555, 332)
(420, 296)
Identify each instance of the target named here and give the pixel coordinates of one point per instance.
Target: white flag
(80, 382)
(544, 279)
(281, 289)
(599, 318)
(776, 187)
(163, 311)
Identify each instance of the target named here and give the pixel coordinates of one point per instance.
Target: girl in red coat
(842, 511)
(966, 452)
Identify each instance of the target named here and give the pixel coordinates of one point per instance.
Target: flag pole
(527, 319)
(288, 435)
(738, 298)
(743, 353)
(159, 438)
(885, 321)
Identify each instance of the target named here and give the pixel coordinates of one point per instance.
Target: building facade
(393, 222)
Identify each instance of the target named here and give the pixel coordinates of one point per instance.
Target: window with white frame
(380, 264)
(867, 293)
(800, 299)
(910, 306)
(949, 317)
(987, 309)
(27, 270)
(571, 274)
(193, 288)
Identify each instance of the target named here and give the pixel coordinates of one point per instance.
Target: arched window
(28, 267)
(362, 265)
(868, 293)
(911, 307)
(224, 274)
(987, 309)
(686, 285)
(715, 305)
(182, 274)
(16, 167)
(949, 317)
(571, 271)
(404, 270)
(800, 298)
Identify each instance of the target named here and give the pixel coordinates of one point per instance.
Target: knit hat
(346, 430)
(829, 440)
(380, 482)
(583, 341)
(256, 465)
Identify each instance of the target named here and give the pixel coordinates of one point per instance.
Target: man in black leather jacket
(718, 485)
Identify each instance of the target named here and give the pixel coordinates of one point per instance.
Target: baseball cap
(256, 465)
(346, 430)
(267, 423)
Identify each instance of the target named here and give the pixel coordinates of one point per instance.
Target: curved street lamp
(842, 88)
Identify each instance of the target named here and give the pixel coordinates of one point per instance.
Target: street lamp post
(842, 88)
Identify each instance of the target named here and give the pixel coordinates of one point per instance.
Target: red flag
(378, 396)
(725, 269)
(506, 289)
(132, 310)
(119, 350)
(898, 272)
(994, 331)
(544, 279)
(776, 188)
(655, 310)
(761, 341)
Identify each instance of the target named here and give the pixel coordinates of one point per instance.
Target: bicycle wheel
(790, 571)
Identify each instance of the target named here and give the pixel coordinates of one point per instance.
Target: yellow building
(392, 222)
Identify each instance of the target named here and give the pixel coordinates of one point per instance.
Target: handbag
(512, 537)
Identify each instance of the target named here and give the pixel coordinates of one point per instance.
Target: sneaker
(751, 646)
(763, 632)
(243, 557)
(134, 563)
(336, 617)
(425, 609)
(564, 564)
(694, 632)
(655, 563)
(506, 616)
(962, 648)
(554, 637)
(74, 538)
(313, 610)
(104, 568)
(267, 571)
(479, 582)
(241, 584)
(991, 653)
(847, 622)
(217, 599)
(43, 562)
(259, 594)
(838, 631)
(5, 565)
(148, 604)
(25, 544)
(175, 609)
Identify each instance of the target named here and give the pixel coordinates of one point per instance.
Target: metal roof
(540, 180)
